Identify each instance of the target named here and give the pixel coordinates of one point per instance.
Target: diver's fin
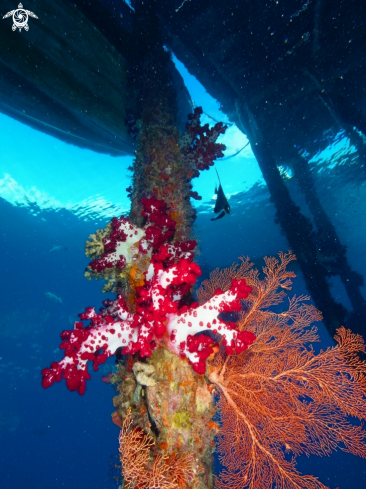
(219, 216)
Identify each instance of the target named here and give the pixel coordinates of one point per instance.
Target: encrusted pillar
(296, 227)
(167, 405)
(330, 253)
(158, 168)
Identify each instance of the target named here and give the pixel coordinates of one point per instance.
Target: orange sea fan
(278, 399)
(221, 279)
(143, 471)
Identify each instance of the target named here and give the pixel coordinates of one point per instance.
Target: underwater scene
(183, 236)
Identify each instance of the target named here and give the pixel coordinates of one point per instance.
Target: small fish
(58, 248)
(53, 297)
(221, 202)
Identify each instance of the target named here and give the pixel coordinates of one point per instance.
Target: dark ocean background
(53, 194)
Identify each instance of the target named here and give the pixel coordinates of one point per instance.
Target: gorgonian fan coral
(278, 399)
(166, 472)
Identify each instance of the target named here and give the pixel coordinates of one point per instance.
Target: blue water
(56, 194)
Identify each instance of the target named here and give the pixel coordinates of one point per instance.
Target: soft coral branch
(198, 145)
(158, 316)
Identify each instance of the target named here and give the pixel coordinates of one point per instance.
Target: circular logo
(20, 18)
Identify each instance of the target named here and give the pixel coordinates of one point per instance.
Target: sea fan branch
(278, 399)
